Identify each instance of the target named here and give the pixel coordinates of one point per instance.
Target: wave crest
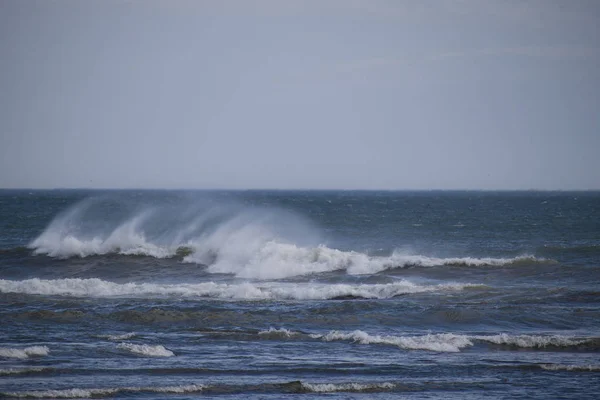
(95, 287)
(347, 387)
(450, 342)
(245, 242)
(575, 368)
(443, 342)
(123, 336)
(146, 350)
(23, 371)
(33, 351)
(76, 393)
(281, 333)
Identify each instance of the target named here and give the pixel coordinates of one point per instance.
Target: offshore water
(266, 294)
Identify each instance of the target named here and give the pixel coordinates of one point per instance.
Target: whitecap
(95, 287)
(274, 333)
(77, 393)
(245, 242)
(563, 367)
(450, 342)
(9, 352)
(20, 371)
(443, 342)
(146, 350)
(531, 341)
(346, 387)
(123, 336)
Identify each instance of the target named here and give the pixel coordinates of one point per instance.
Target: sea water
(281, 294)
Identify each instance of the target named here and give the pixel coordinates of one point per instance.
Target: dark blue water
(258, 294)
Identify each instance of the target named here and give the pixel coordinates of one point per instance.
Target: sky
(323, 94)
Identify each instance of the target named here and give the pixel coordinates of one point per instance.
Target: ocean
(292, 294)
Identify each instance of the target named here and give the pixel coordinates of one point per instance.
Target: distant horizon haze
(343, 95)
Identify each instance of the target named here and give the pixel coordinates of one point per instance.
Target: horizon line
(214, 189)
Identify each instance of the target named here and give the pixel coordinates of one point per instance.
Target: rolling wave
(23, 371)
(450, 342)
(571, 368)
(27, 352)
(293, 387)
(347, 387)
(116, 338)
(281, 333)
(76, 393)
(243, 291)
(146, 350)
(245, 242)
(289, 387)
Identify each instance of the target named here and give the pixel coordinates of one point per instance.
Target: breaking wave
(450, 342)
(347, 387)
(106, 392)
(246, 242)
(443, 342)
(115, 338)
(243, 291)
(146, 350)
(33, 351)
(22, 371)
(531, 341)
(281, 333)
(574, 368)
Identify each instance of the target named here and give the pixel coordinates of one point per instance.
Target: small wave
(123, 336)
(531, 341)
(443, 342)
(244, 291)
(23, 371)
(347, 387)
(27, 352)
(77, 393)
(450, 342)
(281, 333)
(146, 350)
(577, 368)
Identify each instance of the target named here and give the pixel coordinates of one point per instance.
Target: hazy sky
(421, 94)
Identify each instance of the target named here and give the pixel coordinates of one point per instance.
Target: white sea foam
(123, 336)
(19, 371)
(146, 350)
(245, 291)
(247, 243)
(450, 342)
(76, 393)
(27, 352)
(563, 367)
(61, 240)
(443, 342)
(347, 387)
(531, 341)
(278, 333)
(274, 260)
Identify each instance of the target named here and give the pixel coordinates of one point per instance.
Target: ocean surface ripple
(280, 294)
